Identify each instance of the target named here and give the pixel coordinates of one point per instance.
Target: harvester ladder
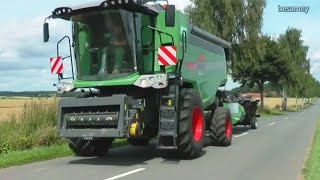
(168, 122)
(60, 76)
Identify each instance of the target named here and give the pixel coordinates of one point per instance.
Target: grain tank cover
(212, 38)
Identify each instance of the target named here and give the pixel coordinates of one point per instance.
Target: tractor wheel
(254, 123)
(90, 148)
(138, 141)
(221, 127)
(191, 125)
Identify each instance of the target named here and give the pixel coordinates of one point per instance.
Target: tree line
(257, 58)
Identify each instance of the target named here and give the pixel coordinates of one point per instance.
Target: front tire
(191, 125)
(90, 148)
(221, 127)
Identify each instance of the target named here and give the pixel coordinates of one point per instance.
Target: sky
(24, 58)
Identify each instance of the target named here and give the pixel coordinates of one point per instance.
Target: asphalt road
(275, 151)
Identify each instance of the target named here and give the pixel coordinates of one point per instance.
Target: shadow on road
(135, 155)
(128, 156)
(240, 130)
(123, 156)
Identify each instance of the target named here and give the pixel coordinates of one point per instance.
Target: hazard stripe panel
(56, 65)
(167, 55)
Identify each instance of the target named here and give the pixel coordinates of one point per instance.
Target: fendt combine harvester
(149, 73)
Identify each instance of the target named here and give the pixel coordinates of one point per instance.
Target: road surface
(275, 151)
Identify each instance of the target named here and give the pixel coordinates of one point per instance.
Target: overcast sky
(24, 58)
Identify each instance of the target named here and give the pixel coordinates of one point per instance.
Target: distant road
(275, 151)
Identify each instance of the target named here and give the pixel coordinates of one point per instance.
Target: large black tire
(90, 148)
(221, 127)
(254, 123)
(138, 141)
(191, 125)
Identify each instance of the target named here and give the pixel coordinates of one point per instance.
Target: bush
(34, 126)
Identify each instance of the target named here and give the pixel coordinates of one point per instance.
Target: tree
(294, 52)
(237, 21)
(268, 68)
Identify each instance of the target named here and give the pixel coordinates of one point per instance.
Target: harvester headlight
(126, 1)
(144, 83)
(120, 1)
(155, 81)
(64, 87)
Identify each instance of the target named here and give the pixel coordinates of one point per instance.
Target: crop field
(276, 102)
(14, 105)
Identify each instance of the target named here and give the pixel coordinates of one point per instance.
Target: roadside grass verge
(33, 127)
(311, 170)
(31, 135)
(267, 111)
(36, 154)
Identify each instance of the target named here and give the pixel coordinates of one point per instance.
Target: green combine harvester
(144, 71)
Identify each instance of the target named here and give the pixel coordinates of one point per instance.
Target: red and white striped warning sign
(56, 65)
(167, 55)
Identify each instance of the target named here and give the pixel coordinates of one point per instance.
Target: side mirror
(170, 16)
(45, 32)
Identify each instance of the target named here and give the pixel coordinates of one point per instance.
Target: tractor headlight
(64, 87)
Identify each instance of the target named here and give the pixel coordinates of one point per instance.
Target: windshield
(103, 45)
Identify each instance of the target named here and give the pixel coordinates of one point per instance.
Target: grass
(31, 135)
(312, 166)
(33, 127)
(42, 153)
(33, 155)
(266, 111)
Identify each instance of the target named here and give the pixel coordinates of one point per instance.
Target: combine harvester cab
(144, 72)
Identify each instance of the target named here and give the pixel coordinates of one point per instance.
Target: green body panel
(114, 82)
(237, 111)
(203, 69)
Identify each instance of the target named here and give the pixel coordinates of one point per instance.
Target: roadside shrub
(34, 126)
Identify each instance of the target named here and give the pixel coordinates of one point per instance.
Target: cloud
(24, 58)
(23, 39)
(26, 80)
(312, 40)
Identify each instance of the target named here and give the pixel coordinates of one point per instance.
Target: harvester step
(170, 96)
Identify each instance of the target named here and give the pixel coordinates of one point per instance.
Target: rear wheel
(138, 141)
(254, 123)
(191, 125)
(89, 148)
(221, 127)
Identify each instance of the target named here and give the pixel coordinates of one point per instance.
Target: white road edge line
(271, 124)
(241, 135)
(286, 118)
(126, 174)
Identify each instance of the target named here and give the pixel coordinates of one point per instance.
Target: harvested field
(276, 102)
(13, 105)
